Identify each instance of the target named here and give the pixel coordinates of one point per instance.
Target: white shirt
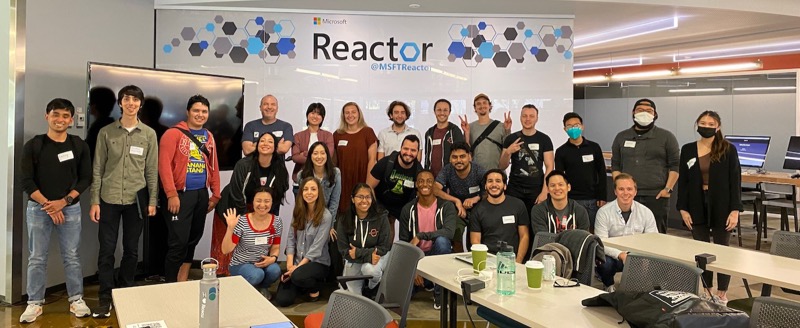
(389, 141)
(610, 223)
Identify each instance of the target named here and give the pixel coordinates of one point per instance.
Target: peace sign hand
(507, 122)
(464, 123)
(515, 146)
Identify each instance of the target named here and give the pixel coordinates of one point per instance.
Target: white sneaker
(610, 289)
(79, 309)
(32, 312)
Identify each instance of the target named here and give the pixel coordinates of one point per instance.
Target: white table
(748, 264)
(548, 307)
(241, 305)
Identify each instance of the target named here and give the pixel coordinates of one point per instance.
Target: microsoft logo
(320, 21)
(317, 20)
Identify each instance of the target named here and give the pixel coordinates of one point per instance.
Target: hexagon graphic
(287, 28)
(557, 32)
(272, 49)
(541, 55)
(218, 55)
(252, 28)
(455, 32)
(496, 48)
(560, 49)
(188, 34)
(478, 40)
(409, 51)
(533, 41)
(468, 53)
(510, 34)
(254, 45)
(520, 60)
(456, 49)
(473, 31)
(528, 33)
(486, 50)
(501, 59)
(195, 49)
(269, 26)
(239, 35)
(478, 58)
(489, 32)
(218, 19)
(210, 27)
(205, 35)
(546, 29)
(291, 54)
(243, 43)
(451, 58)
(481, 25)
(204, 44)
(222, 45)
(263, 36)
(238, 55)
(520, 25)
(549, 40)
(175, 42)
(278, 28)
(262, 54)
(260, 20)
(568, 54)
(285, 45)
(516, 50)
(168, 49)
(464, 32)
(566, 32)
(565, 44)
(229, 28)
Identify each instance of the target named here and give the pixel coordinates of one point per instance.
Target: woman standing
(356, 149)
(315, 115)
(255, 240)
(364, 240)
(307, 258)
(709, 190)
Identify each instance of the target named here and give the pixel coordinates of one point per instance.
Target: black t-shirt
(59, 168)
(527, 165)
(396, 188)
(263, 178)
(499, 222)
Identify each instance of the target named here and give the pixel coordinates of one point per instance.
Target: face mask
(574, 132)
(643, 118)
(706, 132)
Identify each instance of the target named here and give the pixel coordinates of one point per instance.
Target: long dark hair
(300, 214)
(720, 146)
(308, 167)
(348, 221)
(278, 167)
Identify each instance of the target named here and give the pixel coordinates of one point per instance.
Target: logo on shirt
(373, 232)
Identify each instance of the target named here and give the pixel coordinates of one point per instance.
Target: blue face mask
(574, 132)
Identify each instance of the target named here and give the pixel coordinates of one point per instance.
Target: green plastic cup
(479, 252)
(534, 271)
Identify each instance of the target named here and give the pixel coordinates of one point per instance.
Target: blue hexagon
(167, 48)
(285, 45)
(210, 27)
(278, 28)
(464, 32)
(528, 33)
(486, 50)
(482, 25)
(254, 45)
(457, 49)
(568, 54)
(534, 50)
(557, 32)
(259, 20)
(286, 28)
(204, 44)
(414, 47)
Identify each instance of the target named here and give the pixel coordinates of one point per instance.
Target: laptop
(468, 258)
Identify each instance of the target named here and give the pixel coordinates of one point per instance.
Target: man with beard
(389, 139)
(651, 155)
(268, 122)
(392, 178)
(461, 183)
(486, 135)
(499, 217)
(440, 138)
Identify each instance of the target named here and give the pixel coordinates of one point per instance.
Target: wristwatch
(69, 199)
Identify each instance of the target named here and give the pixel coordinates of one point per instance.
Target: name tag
(408, 183)
(533, 146)
(587, 158)
(343, 143)
(690, 163)
(262, 240)
(630, 144)
(436, 142)
(65, 156)
(137, 150)
(508, 219)
(278, 133)
(255, 134)
(263, 181)
(474, 189)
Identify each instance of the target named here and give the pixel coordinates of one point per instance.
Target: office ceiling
(699, 29)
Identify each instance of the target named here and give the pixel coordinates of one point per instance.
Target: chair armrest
(343, 279)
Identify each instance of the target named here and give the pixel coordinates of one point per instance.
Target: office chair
(782, 190)
(646, 273)
(774, 313)
(345, 309)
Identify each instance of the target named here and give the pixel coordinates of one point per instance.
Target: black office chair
(774, 313)
(768, 191)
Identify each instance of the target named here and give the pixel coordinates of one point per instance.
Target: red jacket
(173, 157)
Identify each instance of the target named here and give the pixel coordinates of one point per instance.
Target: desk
(548, 307)
(775, 177)
(748, 264)
(241, 305)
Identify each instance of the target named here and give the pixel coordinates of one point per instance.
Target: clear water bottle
(209, 295)
(506, 269)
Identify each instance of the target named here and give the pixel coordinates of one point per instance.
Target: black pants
(528, 197)
(306, 278)
(704, 232)
(107, 234)
(184, 230)
(659, 208)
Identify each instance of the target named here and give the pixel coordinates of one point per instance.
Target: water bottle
(209, 295)
(506, 270)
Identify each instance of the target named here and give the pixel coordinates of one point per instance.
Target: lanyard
(362, 232)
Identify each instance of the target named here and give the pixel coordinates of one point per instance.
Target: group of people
(352, 185)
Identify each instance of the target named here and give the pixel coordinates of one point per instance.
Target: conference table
(177, 304)
(548, 307)
(748, 264)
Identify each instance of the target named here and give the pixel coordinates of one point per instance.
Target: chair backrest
(542, 238)
(786, 243)
(777, 188)
(774, 313)
(350, 310)
(397, 280)
(646, 273)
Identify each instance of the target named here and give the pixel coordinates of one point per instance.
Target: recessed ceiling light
(414, 6)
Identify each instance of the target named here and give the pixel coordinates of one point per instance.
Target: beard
(403, 159)
(500, 193)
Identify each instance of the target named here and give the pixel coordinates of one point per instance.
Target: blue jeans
(258, 277)
(591, 207)
(367, 269)
(441, 245)
(40, 225)
(609, 269)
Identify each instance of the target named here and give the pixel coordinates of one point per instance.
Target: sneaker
(32, 312)
(610, 289)
(437, 303)
(79, 309)
(103, 310)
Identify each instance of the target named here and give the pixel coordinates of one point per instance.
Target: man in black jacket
(440, 138)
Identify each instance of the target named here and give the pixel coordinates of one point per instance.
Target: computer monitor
(792, 161)
(752, 149)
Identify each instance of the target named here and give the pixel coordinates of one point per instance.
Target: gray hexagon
(468, 53)
(564, 43)
(546, 29)
(566, 32)
(478, 40)
(560, 49)
(478, 58)
(218, 19)
(496, 48)
(501, 59)
(243, 43)
(510, 34)
(272, 49)
(520, 25)
(229, 28)
(291, 54)
(262, 54)
(238, 55)
(218, 55)
(549, 40)
(195, 49)
(451, 58)
(520, 60)
(516, 50)
(269, 26)
(263, 36)
(542, 55)
(473, 30)
(188, 34)
(175, 42)
(222, 45)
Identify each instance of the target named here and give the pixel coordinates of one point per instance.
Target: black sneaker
(437, 302)
(103, 310)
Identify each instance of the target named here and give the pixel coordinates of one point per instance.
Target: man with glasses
(651, 155)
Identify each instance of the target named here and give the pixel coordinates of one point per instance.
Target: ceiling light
(414, 6)
(696, 90)
(589, 79)
(638, 75)
(719, 68)
(773, 48)
(764, 88)
(620, 33)
(614, 62)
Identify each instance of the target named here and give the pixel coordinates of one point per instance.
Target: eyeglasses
(640, 110)
(576, 125)
(362, 197)
(561, 283)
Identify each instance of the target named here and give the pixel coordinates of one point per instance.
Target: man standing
(500, 218)
(651, 155)
(188, 167)
(56, 168)
(428, 222)
(124, 190)
(461, 182)
(558, 213)
(392, 178)
(622, 217)
(526, 151)
(582, 160)
(390, 138)
(268, 122)
(485, 135)
(439, 139)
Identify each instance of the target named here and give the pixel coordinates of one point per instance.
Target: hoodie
(446, 216)
(453, 135)
(543, 217)
(173, 157)
(370, 233)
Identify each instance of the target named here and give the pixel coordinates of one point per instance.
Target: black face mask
(706, 132)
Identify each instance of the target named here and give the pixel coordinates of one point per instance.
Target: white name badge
(474, 189)
(278, 133)
(436, 142)
(630, 144)
(262, 240)
(255, 134)
(343, 143)
(533, 146)
(408, 183)
(587, 158)
(690, 163)
(137, 150)
(263, 181)
(508, 219)
(65, 156)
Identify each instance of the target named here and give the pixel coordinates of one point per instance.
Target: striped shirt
(251, 244)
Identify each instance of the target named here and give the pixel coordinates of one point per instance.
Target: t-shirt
(352, 158)
(470, 186)
(196, 167)
(527, 172)
(398, 189)
(61, 167)
(251, 244)
(426, 222)
(499, 222)
(437, 149)
(487, 154)
(390, 141)
(256, 128)
(264, 177)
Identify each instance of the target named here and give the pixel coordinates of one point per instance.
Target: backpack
(560, 253)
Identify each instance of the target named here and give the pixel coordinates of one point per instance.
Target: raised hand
(507, 122)
(231, 217)
(515, 146)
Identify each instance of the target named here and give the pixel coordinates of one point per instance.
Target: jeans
(441, 245)
(40, 226)
(258, 277)
(184, 230)
(111, 215)
(591, 208)
(659, 208)
(609, 269)
(367, 269)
